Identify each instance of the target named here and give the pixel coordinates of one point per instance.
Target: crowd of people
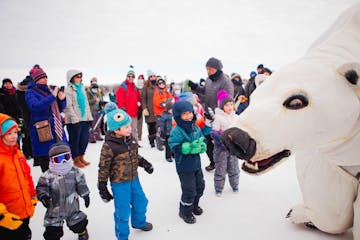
(53, 125)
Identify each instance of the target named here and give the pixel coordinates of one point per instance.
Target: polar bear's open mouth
(262, 165)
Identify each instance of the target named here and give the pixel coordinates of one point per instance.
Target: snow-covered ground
(174, 38)
(256, 212)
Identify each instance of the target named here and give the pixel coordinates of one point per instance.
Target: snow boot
(78, 163)
(148, 227)
(152, 140)
(84, 235)
(197, 210)
(159, 144)
(190, 219)
(83, 161)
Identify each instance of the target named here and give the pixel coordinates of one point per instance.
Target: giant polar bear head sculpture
(311, 108)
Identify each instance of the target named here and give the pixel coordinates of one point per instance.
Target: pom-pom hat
(116, 118)
(37, 74)
(223, 97)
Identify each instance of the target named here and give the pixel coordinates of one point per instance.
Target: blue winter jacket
(40, 109)
(184, 163)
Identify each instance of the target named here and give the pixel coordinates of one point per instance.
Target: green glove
(186, 148)
(195, 147)
(203, 147)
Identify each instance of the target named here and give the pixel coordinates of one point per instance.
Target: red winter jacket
(128, 97)
(16, 184)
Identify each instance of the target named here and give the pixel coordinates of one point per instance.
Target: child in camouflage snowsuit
(119, 161)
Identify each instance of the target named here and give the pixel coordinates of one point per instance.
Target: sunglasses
(63, 157)
(131, 76)
(78, 76)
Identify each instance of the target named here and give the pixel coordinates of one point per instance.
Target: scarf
(58, 128)
(80, 96)
(215, 76)
(60, 168)
(188, 126)
(10, 92)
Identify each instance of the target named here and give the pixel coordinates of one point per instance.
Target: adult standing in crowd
(238, 85)
(140, 84)
(44, 104)
(147, 95)
(128, 99)
(78, 117)
(8, 100)
(215, 81)
(25, 113)
(94, 102)
(250, 85)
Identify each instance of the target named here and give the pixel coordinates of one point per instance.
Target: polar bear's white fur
(311, 109)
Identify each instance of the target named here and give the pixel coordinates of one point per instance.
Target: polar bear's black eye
(296, 102)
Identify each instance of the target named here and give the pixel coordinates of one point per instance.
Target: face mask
(94, 90)
(140, 83)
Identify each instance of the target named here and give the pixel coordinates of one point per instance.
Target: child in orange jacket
(17, 195)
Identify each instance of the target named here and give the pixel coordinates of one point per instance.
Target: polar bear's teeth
(252, 166)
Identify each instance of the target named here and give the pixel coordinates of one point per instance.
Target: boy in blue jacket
(187, 142)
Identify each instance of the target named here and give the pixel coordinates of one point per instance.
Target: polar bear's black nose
(239, 143)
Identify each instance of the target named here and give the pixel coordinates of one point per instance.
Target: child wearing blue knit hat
(119, 161)
(187, 142)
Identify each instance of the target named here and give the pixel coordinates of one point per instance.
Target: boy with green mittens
(186, 142)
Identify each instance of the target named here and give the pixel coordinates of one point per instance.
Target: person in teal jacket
(187, 142)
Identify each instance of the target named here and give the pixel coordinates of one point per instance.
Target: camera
(62, 88)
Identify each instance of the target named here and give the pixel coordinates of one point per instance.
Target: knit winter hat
(60, 166)
(36, 66)
(187, 96)
(7, 126)
(181, 107)
(5, 80)
(37, 74)
(131, 71)
(222, 98)
(214, 63)
(261, 66)
(58, 148)
(253, 74)
(150, 73)
(116, 118)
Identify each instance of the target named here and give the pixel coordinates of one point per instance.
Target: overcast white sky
(173, 38)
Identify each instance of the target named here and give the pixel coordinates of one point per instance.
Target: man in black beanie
(215, 82)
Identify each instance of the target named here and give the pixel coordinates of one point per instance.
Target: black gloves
(104, 192)
(193, 86)
(45, 200)
(146, 165)
(87, 201)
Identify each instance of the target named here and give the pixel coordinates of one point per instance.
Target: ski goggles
(63, 157)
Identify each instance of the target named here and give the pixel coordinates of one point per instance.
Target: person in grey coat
(217, 80)
(59, 189)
